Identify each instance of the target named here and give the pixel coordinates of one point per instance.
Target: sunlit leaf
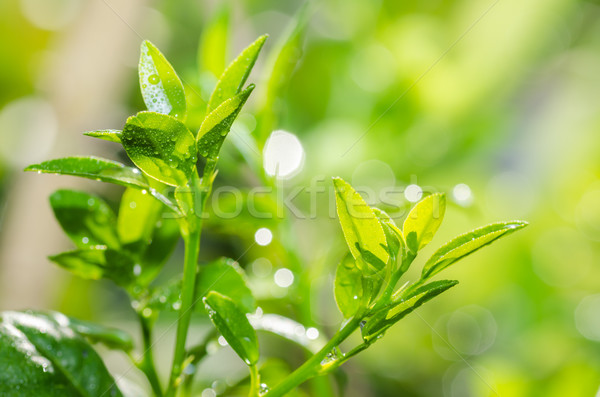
(466, 244)
(161, 146)
(362, 230)
(41, 356)
(233, 324)
(348, 289)
(107, 135)
(93, 168)
(393, 235)
(234, 77)
(138, 213)
(423, 221)
(217, 124)
(162, 89)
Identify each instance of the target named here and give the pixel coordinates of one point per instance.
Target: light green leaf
(423, 221)
(466, 244)
(96, 263)
(393, 235)
(233, 324)
(212, 50)
(107, 135)
(111, 337)
(362, 230)
(93, 168)
(161, 146)
(138, 213)
(41, 356)
(348, 289)
(233, 78)
(162, 89)
(217, 124)
(85, 218)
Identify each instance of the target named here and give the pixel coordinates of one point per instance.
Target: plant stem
(192, 248)
(147, 363)
(311, 366)
(254, 381)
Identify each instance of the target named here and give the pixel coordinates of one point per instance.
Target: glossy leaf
(138, 213)
(234, 77)
(466, 244)
(383, 320)
(96, 263)
(233, 324)
(362, 230)
(93, 168)
(423, 221)
(162, 89)
(107, 135)
(85, 218)
(41, 356)
(348, 289)
(217, 124)
(161, 146)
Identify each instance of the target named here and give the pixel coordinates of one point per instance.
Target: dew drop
(153, 79)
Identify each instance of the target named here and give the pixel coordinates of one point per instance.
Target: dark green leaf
(162, 89)
(348, 289)
(161, 146)
(233, 78)
(107, 135)
(41, 356)
(93, 168)
(98, 262)
(85, 218)
(233, 324)
(164, 239)
(423, 221)
(360, 225)
(217, 124)
(466, 244)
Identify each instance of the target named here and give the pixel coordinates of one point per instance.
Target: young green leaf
(107, 135)
(423, 221)
(93, 168)
(162, 89)
(466, 244)
(393, 235)
(98, 262)
(233, 324)
(361, 228)
(138, 213)
(233, 78)
(212, 50)
(85, 218)
(217, 124)
(347, 288)
(161, 146)
(40, 355)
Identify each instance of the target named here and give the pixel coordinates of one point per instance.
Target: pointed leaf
(107, 135)
(362, 230)
(423, 221)
(348, 289)
(217, 124)
(233, 324)
(393, 235)
(93, 168)
(85, 218)
(233, 78)
(161, 146)
(40, 355)
(466, 244)
(162, 89)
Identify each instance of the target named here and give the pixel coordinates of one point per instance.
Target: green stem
(254, 381)
(146, 365)
(311, 367)
(192, 248)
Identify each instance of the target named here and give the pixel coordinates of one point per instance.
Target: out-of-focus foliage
(493, 103)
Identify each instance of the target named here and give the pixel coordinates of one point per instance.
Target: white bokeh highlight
(283, 155)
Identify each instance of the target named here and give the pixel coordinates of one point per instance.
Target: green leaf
(362, 230)
(217, 124)
(93, 168)
(212, 50)
(138, 213)
(347, 288)
(96, 263)
(233, 78)
(393, 235)
(111, 337)
(466, 244)
(162, 89)
(161, 146)
(233, 324)
(164, 239)
(423, 221)
(41, 356)
(85, 218)
(107, 135)
(383, 320)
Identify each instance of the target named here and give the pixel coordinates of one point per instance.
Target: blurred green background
(495, 103)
